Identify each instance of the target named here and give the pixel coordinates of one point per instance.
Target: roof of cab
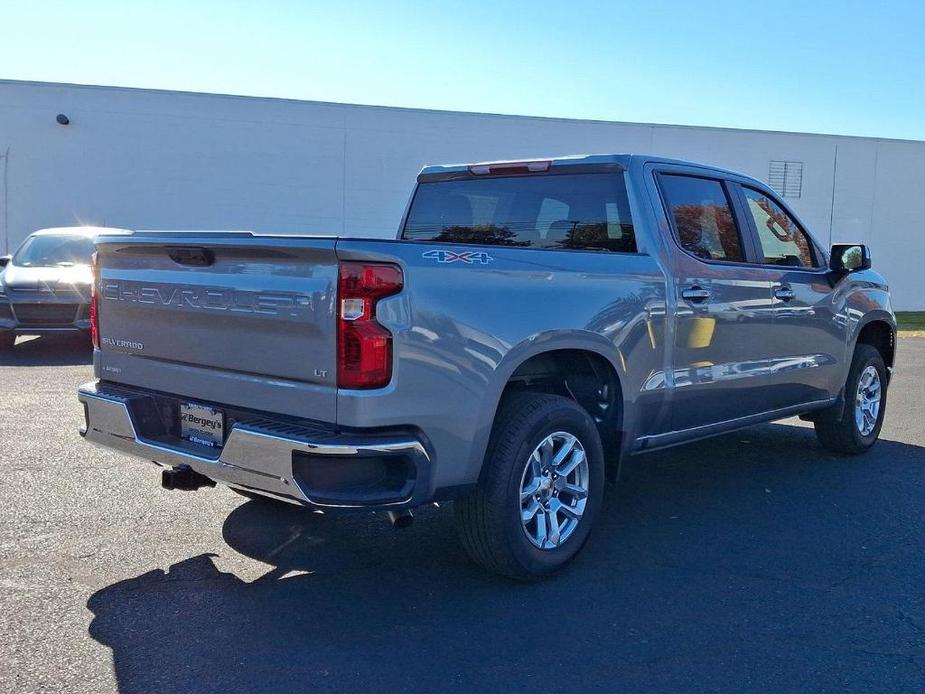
(576, 160)
(579, 160)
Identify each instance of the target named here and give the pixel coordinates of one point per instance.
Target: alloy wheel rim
(554, 490)
(867, 401)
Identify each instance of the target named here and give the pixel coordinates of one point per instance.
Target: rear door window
(783, 242)
(557, 211)
(702, 217)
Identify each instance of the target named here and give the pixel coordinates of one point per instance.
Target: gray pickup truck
(534, 323)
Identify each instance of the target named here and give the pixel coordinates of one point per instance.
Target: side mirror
(849, 257)
(4, 260)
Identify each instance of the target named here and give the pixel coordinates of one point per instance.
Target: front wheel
(857, 426)
(541, 487)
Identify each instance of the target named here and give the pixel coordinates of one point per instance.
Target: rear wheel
(856, 428)
(540, 490)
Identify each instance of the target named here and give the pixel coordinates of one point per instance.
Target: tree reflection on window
(487, 234)
(708, 231)
(703, 217)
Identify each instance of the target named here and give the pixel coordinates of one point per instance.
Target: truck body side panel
(461, 328)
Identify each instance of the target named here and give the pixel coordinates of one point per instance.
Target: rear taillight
(95, 302)
(364, 347)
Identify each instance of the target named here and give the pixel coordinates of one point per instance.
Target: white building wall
(169, 160)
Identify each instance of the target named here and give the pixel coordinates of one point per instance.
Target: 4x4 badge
(468, 257)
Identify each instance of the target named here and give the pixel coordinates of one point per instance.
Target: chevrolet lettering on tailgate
(208, 298)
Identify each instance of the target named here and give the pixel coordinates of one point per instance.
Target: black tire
(7, 339)
(837, 430)
(489, 518)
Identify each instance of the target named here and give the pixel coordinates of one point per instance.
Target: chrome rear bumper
(262, 456)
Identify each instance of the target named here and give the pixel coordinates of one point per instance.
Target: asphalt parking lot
(753, 562)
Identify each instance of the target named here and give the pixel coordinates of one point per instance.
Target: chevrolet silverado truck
(533, 323)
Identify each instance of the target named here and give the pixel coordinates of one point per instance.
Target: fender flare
(873, 316)
(533, 346)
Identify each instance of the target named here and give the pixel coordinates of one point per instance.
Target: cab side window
(783, 242)
(702, 217)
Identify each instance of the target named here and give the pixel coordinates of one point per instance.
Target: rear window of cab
(587, 211)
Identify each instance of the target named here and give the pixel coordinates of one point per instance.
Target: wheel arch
(878, 330)
(531, 365)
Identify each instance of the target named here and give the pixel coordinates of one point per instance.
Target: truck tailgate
(223, 317)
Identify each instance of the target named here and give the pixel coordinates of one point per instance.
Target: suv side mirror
(4, 260)
(849, 257)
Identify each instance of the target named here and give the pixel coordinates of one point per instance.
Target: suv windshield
(586, 211)
(54, 251)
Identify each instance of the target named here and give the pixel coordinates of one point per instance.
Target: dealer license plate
(201, 424)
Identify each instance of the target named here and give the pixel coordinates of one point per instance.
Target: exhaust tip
(400, 519)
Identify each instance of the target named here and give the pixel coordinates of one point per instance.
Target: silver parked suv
(532, 324)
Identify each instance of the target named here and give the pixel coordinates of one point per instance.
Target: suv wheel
(858, 425)
(542, 484)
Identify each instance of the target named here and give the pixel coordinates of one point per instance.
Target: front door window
(782, 240)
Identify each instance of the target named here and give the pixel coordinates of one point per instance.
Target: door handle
(784, 293)
(695, 294)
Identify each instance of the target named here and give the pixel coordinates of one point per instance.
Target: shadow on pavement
(67, 349)
(751, 562)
